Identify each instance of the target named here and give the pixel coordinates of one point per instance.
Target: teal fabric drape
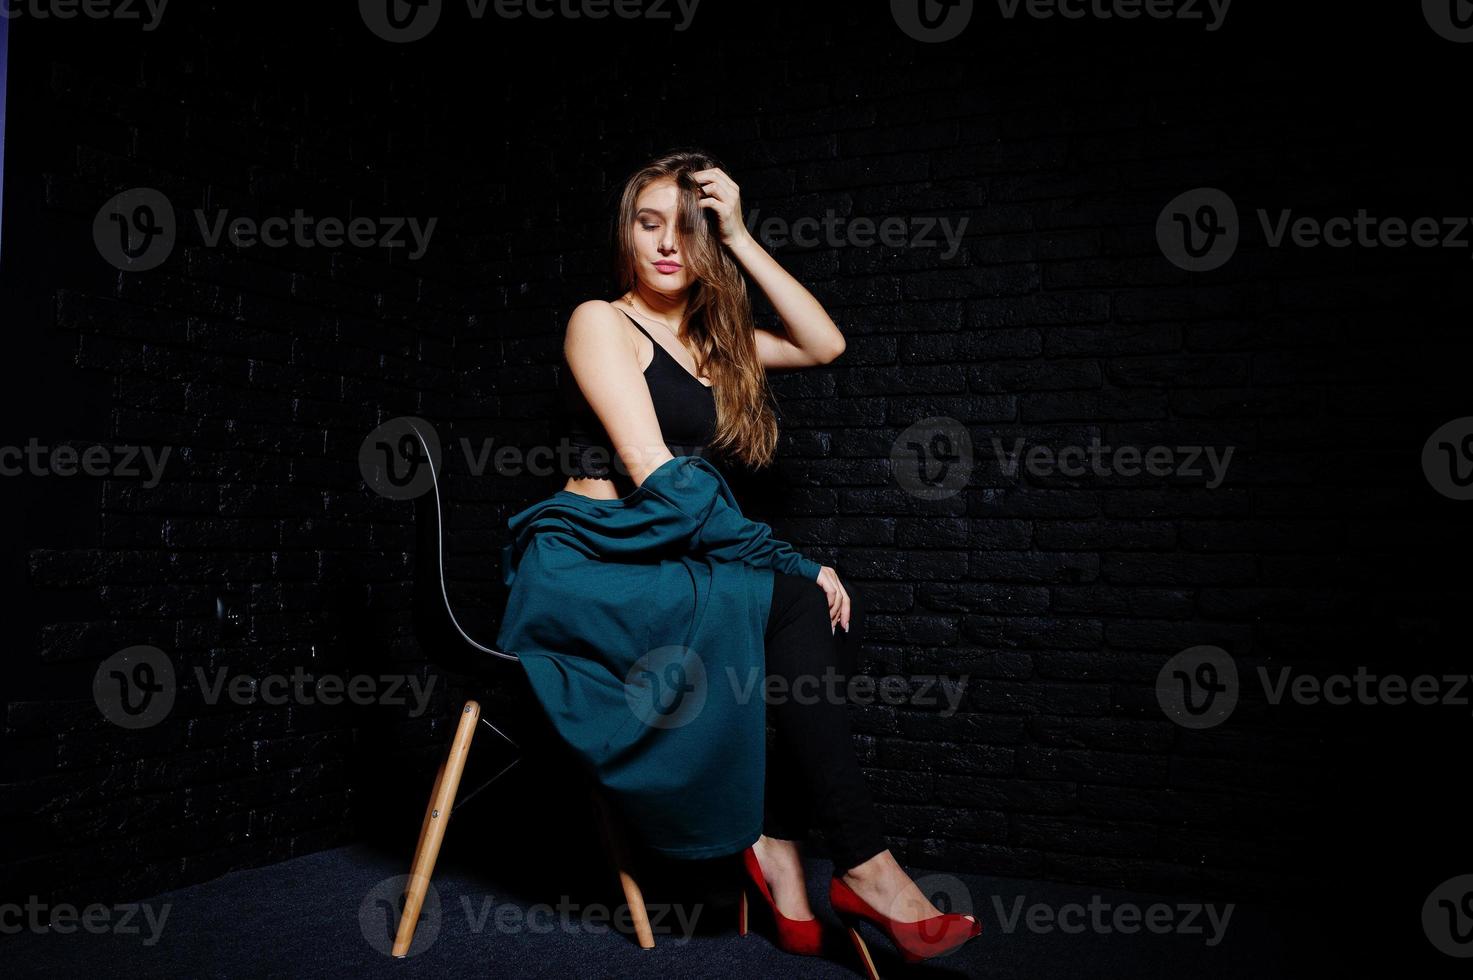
(639, 622)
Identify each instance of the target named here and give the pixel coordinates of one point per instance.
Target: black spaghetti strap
(641, 329)
(659, 349)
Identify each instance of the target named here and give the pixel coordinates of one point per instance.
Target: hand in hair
(721, 195)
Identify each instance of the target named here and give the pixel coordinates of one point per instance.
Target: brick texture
(1057, 322)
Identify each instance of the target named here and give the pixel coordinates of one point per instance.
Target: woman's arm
(605, 363)
(812, 337)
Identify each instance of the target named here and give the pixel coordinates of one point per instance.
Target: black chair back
(447, 641)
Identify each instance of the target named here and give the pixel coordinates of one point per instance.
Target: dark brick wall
(1058, 321)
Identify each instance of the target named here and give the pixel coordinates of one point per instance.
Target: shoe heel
(743, 922)
(866, 960)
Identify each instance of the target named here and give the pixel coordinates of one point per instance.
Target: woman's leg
(814, 772)
(813, 775)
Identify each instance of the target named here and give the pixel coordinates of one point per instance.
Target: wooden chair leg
(432, 830)
(619, 859)
(424, 827)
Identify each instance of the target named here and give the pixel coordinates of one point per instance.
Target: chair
(452, 647)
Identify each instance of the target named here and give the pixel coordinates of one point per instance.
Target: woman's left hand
(723, 196)
(838, 597)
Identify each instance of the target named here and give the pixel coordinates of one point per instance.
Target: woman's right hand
(828, 580)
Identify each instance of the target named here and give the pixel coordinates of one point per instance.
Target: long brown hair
(718, 312)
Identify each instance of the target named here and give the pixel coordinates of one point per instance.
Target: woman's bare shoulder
(598, 310)
(596, 322)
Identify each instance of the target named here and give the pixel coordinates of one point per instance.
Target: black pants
(812, 773)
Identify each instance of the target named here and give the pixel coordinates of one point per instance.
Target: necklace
(630, 300)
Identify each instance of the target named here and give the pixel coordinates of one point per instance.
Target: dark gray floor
(327, 915)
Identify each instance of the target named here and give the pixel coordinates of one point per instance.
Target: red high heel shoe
(916, 940)
(801, 936)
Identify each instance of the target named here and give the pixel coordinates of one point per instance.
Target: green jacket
(639, 622)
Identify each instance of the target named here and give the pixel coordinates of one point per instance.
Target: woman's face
(658, 259)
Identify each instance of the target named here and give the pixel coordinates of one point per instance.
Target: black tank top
(685, 408)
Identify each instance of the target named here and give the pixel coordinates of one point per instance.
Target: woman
(669, 371)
